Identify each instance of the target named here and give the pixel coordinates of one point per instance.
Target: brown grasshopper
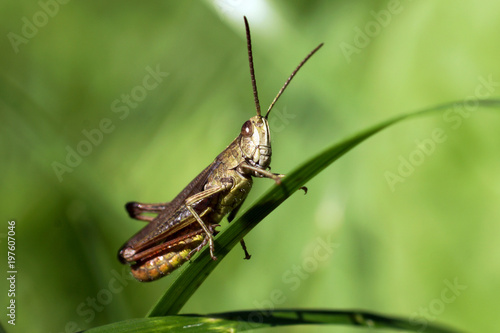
(187, 223)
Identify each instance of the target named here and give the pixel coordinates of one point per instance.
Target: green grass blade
(249, 320)
(195, 272)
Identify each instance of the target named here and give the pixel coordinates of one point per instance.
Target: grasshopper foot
(212, 247)
(212, 250)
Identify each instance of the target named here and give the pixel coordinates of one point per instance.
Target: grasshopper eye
(247, 129)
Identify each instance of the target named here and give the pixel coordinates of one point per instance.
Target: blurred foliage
(397, 246)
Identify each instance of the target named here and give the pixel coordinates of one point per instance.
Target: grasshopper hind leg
(191, 201)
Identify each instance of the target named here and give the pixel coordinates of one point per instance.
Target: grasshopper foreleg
(135, 209)
(264, 173)
(191, 202)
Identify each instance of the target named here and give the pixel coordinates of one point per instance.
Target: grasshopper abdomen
(165, 263)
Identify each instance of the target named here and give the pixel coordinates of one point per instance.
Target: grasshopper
(187, 223)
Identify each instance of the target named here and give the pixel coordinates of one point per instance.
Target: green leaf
(195, 272)
(249, 320)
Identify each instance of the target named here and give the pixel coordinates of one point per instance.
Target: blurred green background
(65, 69)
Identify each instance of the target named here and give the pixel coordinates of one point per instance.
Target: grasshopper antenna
(291, 77)
(252, 73)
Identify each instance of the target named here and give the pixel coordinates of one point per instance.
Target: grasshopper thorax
(255, 143)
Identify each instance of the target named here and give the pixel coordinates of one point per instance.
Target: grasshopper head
(255, 142)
